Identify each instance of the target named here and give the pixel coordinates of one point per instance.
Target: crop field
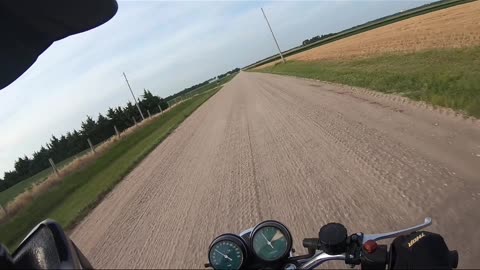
(432, 58)
(454, 27)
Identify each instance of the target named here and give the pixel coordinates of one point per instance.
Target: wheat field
(454, 27)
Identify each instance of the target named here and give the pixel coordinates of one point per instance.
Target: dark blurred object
(421, 250)
(28, 28)
(6, 261)
(48, 247)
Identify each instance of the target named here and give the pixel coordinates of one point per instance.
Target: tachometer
(228, 251)
(271, 241)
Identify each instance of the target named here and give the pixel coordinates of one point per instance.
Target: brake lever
(380, 236)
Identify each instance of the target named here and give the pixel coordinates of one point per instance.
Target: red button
(370, 246)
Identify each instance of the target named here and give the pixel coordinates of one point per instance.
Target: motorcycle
(45, 247)
(268, 245)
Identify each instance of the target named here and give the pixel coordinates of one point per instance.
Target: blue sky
(162, 46)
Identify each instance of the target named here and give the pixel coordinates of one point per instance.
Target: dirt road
(302, 152)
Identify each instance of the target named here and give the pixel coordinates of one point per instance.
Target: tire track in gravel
(299, 151)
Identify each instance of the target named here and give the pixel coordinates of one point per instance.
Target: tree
(131, 111)
(3, 185)
(88, 128)
(317, 38)
(150, 102)
(77, 142)
(105, 127)
(11, 178)
(72, 143)
(40, 160)
(22, 167)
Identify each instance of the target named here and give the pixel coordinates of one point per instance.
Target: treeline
(221, 76)
(97, 130)
(74, 142)
(189, 89)
(317, 38)
(378, 20)
(384, 18)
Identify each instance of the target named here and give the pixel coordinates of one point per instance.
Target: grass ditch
(448, 77)
(9, 194)
(78, 193)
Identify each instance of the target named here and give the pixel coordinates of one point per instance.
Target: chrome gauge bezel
(279, 226)
(234, 239)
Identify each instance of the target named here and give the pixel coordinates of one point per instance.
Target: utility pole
(134, 98)
(278, 47)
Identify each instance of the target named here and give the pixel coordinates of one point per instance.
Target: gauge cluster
(267, 245)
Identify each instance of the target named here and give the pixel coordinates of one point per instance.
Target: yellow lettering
(415, 240)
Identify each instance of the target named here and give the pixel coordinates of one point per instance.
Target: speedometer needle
(225, 256)
(268, 242)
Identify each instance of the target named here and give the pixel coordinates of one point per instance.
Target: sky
(161, 46)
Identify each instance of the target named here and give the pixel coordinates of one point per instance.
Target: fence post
(134, 121)
(160, 109)
(53, 166)
(91, 145)
(116, 131)
(149, 115)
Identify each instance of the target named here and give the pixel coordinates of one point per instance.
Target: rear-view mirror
(48, 247)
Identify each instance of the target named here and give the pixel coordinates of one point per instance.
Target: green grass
(448, 78)
(80, 192)
(365, 27)
(211, 86)
(9, 194)
(205, 88)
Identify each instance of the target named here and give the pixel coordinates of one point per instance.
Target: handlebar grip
(311, 243)
(453, 258)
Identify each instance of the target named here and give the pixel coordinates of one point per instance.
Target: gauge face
(270, 243)
(226, 254)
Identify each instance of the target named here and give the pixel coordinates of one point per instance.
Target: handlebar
(332, 243)
(380, 236)
(356, 249)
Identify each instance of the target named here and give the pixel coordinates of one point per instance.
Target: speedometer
(228, 251)
(271, 241)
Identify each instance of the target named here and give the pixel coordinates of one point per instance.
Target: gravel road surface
(298, 151)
